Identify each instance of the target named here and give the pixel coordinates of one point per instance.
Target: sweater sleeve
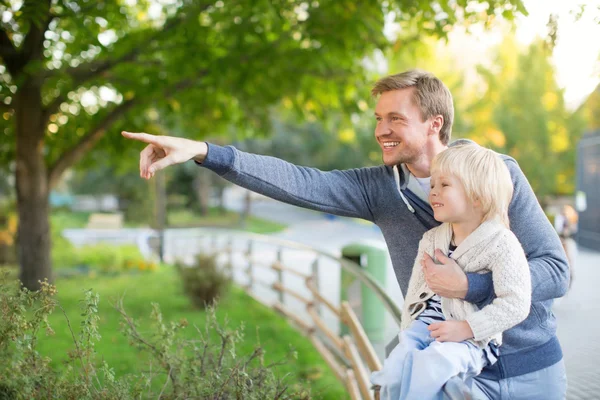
(547, 260)
(545, 255)
(512, 285)
(337, 192)
(417, 278)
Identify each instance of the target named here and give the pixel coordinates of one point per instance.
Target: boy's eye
(445, 184)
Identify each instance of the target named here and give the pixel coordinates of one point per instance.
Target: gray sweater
(372, 194)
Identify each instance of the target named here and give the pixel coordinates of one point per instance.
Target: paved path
(579, 328)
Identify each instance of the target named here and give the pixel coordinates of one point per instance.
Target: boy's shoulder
(441, 230)
(507, 241)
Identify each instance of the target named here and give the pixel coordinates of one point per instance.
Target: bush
(8, 233)
(206, 367)
(203, 282)
(102, 257)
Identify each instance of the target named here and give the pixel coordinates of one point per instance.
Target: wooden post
(229, 250)
(360, 373)
(315, 281)
(249, 267)
(280, 274)
(351, 320)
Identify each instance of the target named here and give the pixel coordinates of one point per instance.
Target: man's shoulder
(374, 174)
(511, 163)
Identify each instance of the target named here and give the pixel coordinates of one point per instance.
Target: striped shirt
(433, 313)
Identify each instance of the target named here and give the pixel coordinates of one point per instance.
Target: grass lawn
(228, 219)
(163, 287)
(178, 218)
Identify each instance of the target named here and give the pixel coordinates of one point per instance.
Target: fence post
(249, 267)
(229, 250)
(280, 274)
(315, 281)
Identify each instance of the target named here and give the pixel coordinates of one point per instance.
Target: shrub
(8, 232)
(206, 367)
(102, 257)
(203, 282)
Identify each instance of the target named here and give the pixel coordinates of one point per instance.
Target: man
(414, 115)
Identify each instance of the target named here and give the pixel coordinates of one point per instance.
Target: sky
(577, 52)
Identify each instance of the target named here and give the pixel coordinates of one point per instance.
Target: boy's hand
(451, 331)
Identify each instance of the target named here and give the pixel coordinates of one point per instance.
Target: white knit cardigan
(490, 248)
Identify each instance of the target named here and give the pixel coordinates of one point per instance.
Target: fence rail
(350, 355)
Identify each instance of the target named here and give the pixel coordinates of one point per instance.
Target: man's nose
(382, 129)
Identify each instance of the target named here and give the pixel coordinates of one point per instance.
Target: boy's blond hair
(483, 174)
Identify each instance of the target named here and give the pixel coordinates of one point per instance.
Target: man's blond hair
(483, 174)
(431, 96)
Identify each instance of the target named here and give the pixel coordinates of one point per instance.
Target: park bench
(105, 221)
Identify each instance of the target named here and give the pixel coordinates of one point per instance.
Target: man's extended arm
(337, 192)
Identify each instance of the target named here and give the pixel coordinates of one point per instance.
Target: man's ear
(437, 122)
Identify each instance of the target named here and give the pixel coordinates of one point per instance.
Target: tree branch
(75, 153)
(33, 44)
(92, 69)
(5, 107)
(8, 52)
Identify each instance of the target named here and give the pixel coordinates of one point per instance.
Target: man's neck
(421, 167)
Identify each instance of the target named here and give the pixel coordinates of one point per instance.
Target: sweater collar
(481, 234)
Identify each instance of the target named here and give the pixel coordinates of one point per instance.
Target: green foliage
(205, 66)
(102, 258)
(204, 282)
(205, 367)
(527, 117)
(318, 145)
(222, 219)
(262, 325)
(110, 258)
(8, 233)
(136, 196)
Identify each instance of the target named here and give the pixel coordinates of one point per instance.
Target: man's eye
(378, 119)
(395, 119)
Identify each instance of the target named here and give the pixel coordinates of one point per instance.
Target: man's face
(400, 131)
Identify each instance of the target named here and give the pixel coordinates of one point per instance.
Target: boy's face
(449, 200)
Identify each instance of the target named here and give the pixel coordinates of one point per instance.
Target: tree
(522, 113)
(76, 69)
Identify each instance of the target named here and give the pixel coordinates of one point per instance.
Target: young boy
(441, 338)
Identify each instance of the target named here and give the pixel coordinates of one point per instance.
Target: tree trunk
(160, 205)
(33, 234)
(202, 186)
(246, 209)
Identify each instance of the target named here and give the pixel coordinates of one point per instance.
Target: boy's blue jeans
(419, 366)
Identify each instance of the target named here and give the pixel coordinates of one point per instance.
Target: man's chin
(392, 161)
